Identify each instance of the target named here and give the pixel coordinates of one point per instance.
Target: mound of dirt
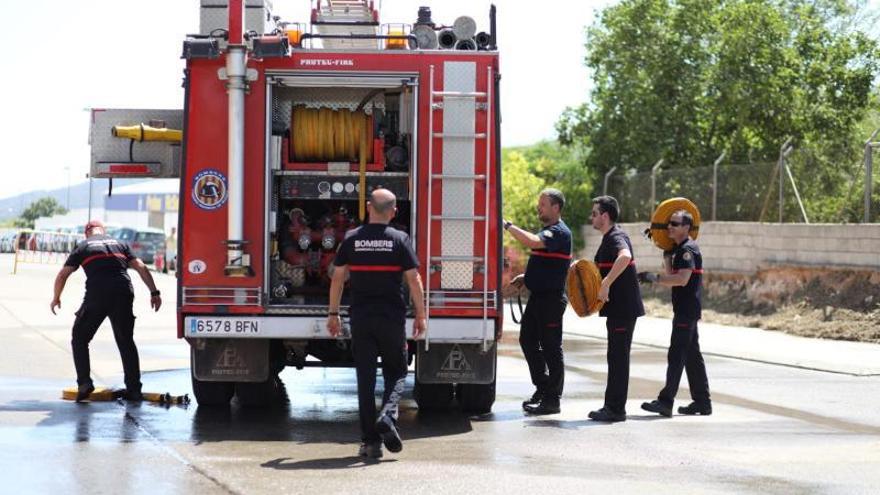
(810, 302)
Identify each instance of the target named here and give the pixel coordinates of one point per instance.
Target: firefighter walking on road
(684, 273)
(109, 294)
(623, 304)
(540, 334)
(378, 258)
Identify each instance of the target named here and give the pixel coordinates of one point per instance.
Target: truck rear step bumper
(444, 330)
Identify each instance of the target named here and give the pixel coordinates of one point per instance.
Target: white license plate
(223, 326)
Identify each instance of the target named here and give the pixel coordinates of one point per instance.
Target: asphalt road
(775, 429)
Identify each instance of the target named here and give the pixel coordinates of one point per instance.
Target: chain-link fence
(812, 190)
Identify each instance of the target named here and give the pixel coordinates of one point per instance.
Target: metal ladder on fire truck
(344, 18)
(459, 177)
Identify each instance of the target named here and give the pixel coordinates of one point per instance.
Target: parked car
(67, 238)
(7, 241)
(144, 243)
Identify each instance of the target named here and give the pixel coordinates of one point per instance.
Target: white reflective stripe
(456, 329)
(312, 327)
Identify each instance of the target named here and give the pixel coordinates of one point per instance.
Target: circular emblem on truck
(209, 190)
(197, 266)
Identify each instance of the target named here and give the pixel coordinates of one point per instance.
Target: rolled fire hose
(660, 219)
(583, 286)
(327, 135)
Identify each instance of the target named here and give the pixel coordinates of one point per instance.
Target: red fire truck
(286, 128)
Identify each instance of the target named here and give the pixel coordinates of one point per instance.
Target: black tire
(433, 396)
(212, 393)
(259, 394)
(476, 398)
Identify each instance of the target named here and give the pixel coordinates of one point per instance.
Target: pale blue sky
(64, 56)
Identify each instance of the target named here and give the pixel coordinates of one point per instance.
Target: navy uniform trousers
(540, 337)
(116, 305)
(374, 336)
(684, 354)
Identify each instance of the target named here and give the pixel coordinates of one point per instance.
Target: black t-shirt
(548, 267)
(105, 261)
(377, 255)
(686, 299)
(624, 297)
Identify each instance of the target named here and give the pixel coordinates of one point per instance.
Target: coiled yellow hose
(327, 135)
(661, 216)
(583, 286)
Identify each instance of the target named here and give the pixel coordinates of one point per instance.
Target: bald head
(382, 205)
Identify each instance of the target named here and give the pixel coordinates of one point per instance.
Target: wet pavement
(774, 429)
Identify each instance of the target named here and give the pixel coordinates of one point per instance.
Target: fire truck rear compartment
(328, 136)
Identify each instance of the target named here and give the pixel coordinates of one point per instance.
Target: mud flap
(230, 360)
(455, 363)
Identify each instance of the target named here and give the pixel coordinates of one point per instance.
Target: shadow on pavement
(564, 424)
(327, 463)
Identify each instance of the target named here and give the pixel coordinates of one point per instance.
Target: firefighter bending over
(109, 293)
(378, 258)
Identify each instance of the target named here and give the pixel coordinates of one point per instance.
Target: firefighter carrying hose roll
(623, 304)
(378, 258)
(684, 273)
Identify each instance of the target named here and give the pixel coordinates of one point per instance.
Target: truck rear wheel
(433, 396)
(212, 393)
(259, 394)
(476, 398)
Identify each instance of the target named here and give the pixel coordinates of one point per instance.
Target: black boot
(371, 450)
(534, 401)
(546, 406)
(655, 406)
(388, 431)
(607, 415)
(84, 391)
(694, 409)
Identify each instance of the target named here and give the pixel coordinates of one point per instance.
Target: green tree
(529, 169)
(43, 207)
(519, 188)
(685, 80)
(561, 167)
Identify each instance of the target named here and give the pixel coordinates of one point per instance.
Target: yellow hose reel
(583, 286)
(327, 135)
(660, 219)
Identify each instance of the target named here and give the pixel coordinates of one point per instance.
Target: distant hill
(79, 196)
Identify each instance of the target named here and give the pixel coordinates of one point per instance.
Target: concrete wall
(746, 246)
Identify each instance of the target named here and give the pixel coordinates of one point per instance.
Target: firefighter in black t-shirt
(684, 273)
(378, 258)
(540, 334)
(623, 304)
(108, 294)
